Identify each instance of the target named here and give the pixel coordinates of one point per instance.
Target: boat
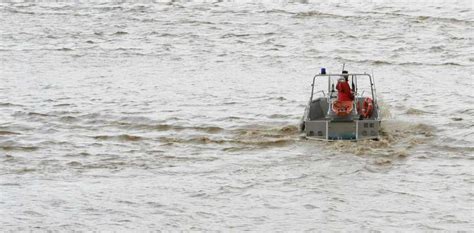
(328, 117)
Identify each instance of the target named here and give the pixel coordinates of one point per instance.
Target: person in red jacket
(344, 92)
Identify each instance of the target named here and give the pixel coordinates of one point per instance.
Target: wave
(68, 119)
(9, 105)
(456, 148)
(396, 138)
(280, 116)
(163, 34)
(21, 171)
(108, 8)
(249, 130)
(229, 35)
(64, 49)
(16, 11)
(441, 19)
(432, 64)
(18, 148)
(256, 142)
(196, 22)
(193, 140)
(122, 137)
(437, 48)
(410, 63)
(5, 132)
(318, 14)
(414, 111)
(267, 142)
(276, 11)
(45, 11)
(167, 127)
(32, 114)
(64, 105)
(244, 137)
(395, 131)
(422, 18)
(120, 33)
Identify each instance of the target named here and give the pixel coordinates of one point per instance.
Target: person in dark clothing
(344, 92)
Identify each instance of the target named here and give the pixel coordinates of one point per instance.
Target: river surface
(183, 115)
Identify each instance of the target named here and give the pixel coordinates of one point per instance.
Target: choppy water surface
(183, 115)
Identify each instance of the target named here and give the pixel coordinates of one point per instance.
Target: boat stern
(342, 130)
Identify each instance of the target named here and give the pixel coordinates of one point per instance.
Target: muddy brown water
(183, 116)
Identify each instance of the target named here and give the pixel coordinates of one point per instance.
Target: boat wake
(245, 138)
(396, 140)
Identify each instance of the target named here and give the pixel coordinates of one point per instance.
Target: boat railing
(353, 75)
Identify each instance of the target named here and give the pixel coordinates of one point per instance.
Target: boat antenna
(373, 77)
(343, 66)
(373, 84)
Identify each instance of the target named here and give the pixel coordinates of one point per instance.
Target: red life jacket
(344, 91)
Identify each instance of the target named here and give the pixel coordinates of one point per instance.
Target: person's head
(346, 77)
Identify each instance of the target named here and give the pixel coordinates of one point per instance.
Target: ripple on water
(122, 115)
(255, 137)
(17, 147)
(5, 132)
(121, 137)
(414, 111)
(396, 138)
